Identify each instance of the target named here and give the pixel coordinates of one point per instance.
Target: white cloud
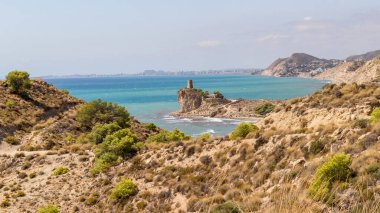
(209, 43)
(272, 37)
(311, 25)
(307, 18)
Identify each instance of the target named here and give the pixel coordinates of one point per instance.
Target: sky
(63, 37)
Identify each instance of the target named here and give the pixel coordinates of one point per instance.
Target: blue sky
(59, 37)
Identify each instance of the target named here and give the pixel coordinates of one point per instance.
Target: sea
(153, 98)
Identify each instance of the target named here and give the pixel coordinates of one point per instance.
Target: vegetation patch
(264, 109)
(124, 189)
(375, 115)
(337, 168)
(12, 140)
(60, 171)
(18, 81)
(48, 209)
(98, 111)
(227, 207)
(242, 130)
(168, 136)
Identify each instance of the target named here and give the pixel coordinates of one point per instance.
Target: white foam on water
(215, 120)
(209, 131)
(187, 119)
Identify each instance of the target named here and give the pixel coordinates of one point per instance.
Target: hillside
(364, 57)
(109, 162)
(353, 71)
(298, 64)
(43, 103)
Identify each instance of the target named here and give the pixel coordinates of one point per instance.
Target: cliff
(364, 57)
(299, 64)
(353, 71)
(189, 99)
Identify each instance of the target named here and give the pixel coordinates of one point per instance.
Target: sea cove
(152, 98)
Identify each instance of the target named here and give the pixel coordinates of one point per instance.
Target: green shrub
(65, 91)
(151, 126)
(18, 81)
(317, 146)
(227, 207)
(218, 94)
(9, 103)
(100, 131)
(361, 124)
(60, 171)
(5, 203)
(123, 189)
(242, 130)
(203, 137)
(337, 168)
(121, 143)
(264, 109)
(48, 209)
(375, 115)
(12, 140)
(103, 162)
(98, 111)
(168, 136)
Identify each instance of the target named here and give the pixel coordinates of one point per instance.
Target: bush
(103, 162)
(100, 131)
(242, 130)
(361, 124)
(48, 209)
(9, 104)
(168, 136)
(151, 126)
(60, 171)
(12, 140)
(123, 189)
(18, 81)
(204, 137)
(227, 207)
(218, 94)
(65, 91)
(120, 143)
(264, 108)
(337, 168)
(375, 115)
(98, 111)
(317, 146)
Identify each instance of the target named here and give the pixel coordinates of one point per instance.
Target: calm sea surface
(151, 99)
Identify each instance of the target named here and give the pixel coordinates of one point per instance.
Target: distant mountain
(364, 57)
(299, 64)
(353, 71)
(252, 71)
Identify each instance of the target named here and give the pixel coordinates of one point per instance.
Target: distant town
(248, 71)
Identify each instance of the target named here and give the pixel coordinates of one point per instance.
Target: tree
(98, 111)
(18, 81)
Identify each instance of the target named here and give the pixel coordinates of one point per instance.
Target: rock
(189, 99)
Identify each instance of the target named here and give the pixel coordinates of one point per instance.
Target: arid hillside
(318, 153)
(353, 71)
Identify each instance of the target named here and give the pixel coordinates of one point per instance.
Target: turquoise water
(151, 99)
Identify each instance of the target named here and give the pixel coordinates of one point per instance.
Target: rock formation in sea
(196, 102)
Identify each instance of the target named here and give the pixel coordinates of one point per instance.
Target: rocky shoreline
(197, 103)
